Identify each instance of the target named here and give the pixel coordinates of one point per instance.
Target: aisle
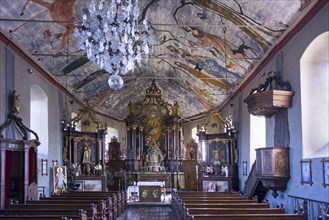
(143, 212)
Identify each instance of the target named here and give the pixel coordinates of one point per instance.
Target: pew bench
(216, 198)
(112, 210)
(227, 205)
(246, 216)
(193, 211)
(45, 216)
(102, 211)
(90, 208)
(118, 197)
(210, 201)
(207, 194)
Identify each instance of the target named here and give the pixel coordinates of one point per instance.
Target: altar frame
(92, 183)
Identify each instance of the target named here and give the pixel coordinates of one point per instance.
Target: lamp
(112, 38)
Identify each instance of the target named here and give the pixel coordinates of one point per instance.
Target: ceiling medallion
(112, 38)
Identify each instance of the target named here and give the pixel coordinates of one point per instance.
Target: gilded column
(128, 142)
(134, 127)
(141, 142)
(2, 178)
(174, 141)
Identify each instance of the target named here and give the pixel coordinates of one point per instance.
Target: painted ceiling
(203, 49)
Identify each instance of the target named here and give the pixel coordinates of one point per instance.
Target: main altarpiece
(154, 150)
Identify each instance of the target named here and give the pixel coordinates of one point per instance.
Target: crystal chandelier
(112, 37)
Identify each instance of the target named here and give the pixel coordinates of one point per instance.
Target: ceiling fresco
(203, 49)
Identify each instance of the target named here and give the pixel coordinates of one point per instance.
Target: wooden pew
(207, 194)
(217, 198)
(108, 202)
(210, 201)
(247, 217)
(193, 211)
(90, 208)
(47, 217)
(43, 214)
(219, 206)
(101, 205)
(227, 205)
(119, 199)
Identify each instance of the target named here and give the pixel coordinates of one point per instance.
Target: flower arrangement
(98, 169)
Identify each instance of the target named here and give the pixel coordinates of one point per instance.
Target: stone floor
(148, 212)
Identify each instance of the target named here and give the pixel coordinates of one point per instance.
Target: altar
(145, 191)
(154, 177)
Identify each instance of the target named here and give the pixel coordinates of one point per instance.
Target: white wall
(291, 53)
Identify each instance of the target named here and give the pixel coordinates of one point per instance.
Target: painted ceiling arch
(203, 49)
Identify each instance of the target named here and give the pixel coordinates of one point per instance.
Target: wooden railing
(251, 182)
(311, 209)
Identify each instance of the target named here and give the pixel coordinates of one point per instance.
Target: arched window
(111, 132)
(314, 79)
(39, 118)
(194, 134)
(257, 136)
(78, 124)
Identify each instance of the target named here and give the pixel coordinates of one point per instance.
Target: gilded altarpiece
(153, 138)
(84, 148)
(217, 154)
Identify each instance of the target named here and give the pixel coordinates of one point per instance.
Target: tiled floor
(149, 211)
(143, 212)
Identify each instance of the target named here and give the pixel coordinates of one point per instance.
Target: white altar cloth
(151, 183)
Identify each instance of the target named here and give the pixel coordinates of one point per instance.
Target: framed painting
(325, 172)
(91, 183)
(214, 186)
(55, 162)
(60, 179)
(244, 168)
(211, 186)
(44, 167)
(306, 172)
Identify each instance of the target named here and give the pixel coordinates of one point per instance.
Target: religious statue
(88, 171)
(192, 154)
(176, 109)
(86, 154)
(15, 103)
(154, 155)
(131, 109)
(217, 156)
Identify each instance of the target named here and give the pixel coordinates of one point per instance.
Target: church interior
(164, 109)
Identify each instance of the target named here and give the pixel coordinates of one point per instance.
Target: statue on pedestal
(217, 156)
(86, 154)
(154, 156)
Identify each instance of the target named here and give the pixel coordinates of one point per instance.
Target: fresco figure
(59, 10)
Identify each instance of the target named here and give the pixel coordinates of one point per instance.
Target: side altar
(218, 154)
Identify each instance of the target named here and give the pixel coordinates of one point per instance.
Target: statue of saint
(86, 154)
(217, 156)
(15, 103)
(192, 153)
